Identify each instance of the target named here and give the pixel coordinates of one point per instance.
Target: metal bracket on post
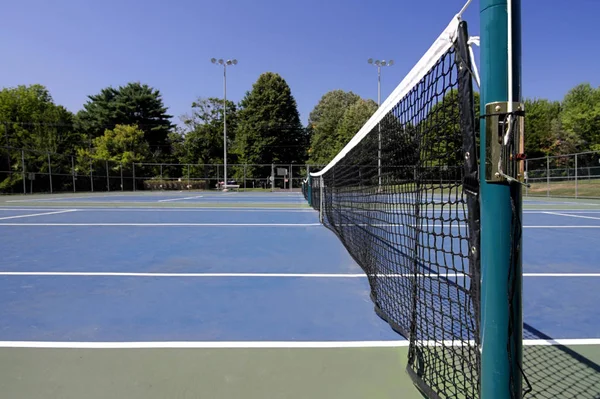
(505, 143)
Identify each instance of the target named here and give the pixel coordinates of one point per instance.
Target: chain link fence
(25, 171)
(571, 175)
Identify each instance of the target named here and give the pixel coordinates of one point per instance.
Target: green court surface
(205, 373)
(255, 373)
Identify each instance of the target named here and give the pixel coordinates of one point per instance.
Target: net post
(501, 273)
(309, 188)
(321, 199)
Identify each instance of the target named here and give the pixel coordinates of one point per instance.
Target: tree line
(563, 127)
(131, 124)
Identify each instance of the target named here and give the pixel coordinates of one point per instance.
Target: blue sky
(77, 47)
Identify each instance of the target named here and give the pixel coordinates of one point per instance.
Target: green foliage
(560, 141)
(355, 116)
(124, 144)
(540, 114)
(580, 114)
(133, 104)
(269, 128)
(32, 120)
(202, 137)
(324, 121)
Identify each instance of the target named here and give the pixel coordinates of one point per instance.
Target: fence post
(23, 168)
(133, 177)
(50, 172)
(244, 177)
(291, 178)
(188, 176)
(73, 173)
(272, 178)
(526, 177)
(121, 169)
(107, 176)
(547, 176)
(91, 175)
(576, 173)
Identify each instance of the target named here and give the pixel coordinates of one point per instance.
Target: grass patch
(589, 188)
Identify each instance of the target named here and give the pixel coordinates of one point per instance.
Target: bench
(229, 186)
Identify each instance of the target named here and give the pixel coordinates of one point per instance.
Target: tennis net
(402, 197)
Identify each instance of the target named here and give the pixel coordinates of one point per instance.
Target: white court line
(61, 198)
(160, 209)
(422, 227)
(274, 275)
(270, 344)
(572, 216)
(540, 211)
(37, 214)
(561, 227)
(237, 224)
(180, 199)
(31, 209)
(226, 275)
(236, 209)
(164, 224)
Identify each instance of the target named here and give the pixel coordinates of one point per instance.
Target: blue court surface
(198, 198)
(168, 273)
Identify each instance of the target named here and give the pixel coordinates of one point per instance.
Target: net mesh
(411, 221)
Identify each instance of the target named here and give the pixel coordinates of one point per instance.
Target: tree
(133, 104)
(440, 134)
(31, 120)
(324, 120)
(581, 113)
(539, 115)
(560, 141)
(117, 149)
(355, 116)
(203, 135)
(125, 144)
(269, 128)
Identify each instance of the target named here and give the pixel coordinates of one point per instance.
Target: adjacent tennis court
(191, 299)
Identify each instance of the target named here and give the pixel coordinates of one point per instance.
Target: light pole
(225, 64)
(379, 64)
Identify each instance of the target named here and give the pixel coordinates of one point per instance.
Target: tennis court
(230, 294)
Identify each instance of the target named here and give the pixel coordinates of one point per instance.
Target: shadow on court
(557, 371)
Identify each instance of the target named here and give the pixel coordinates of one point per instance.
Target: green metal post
(501, 354)
(309, 188)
